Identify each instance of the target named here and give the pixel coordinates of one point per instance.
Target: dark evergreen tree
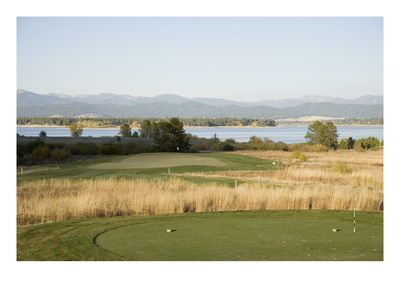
(170, 136)
(323, 134)
(125, 131)
(147, 129)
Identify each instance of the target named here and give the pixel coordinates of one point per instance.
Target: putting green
(161, 161)
(245, 239)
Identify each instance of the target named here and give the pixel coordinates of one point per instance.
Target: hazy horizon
(190, 98)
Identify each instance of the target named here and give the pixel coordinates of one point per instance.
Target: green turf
(164, 160)
(245, 240)
(75, 239)
(150, 166)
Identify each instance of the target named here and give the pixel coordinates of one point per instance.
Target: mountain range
(106, 105)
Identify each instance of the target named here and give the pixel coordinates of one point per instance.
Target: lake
(286, 134)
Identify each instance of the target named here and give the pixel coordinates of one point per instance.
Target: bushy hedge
(366, 144)
(223, 146)
(38, 152)
(257, 143)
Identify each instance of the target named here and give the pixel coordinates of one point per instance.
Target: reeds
(297, 186)
(299, 174)
(57, 200)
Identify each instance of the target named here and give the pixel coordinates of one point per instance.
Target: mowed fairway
(245, 239)
(160, 161)
(148, 165)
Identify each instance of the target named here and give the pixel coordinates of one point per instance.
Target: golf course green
(149, 165)
(158, 160)
(244, 239)
(269, 235)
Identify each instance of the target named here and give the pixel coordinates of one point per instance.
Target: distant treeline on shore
(203, 122)
(339, 122)
(135, 122)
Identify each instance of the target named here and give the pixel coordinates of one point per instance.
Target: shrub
(109, 149)
(295, 154)
(297, 146)
(299, 155)
(40, 153)
(84, 149)
(305, 148)
(230, 141)
(35, 144)
(60, 155)
(303, 157)
(368, 143)
(343, 144)
(358, 147)
(223, 146)
(341, 167)
(200, 147)
(319, 148)
(281, 146)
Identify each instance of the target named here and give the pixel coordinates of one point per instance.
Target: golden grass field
(366, 169)
(294, 186)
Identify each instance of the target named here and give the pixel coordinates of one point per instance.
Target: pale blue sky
(237, 58)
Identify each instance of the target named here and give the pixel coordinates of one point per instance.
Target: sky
(235, 58)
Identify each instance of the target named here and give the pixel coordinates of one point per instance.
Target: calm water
(287, 134)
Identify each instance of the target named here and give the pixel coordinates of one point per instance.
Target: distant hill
(168, 105)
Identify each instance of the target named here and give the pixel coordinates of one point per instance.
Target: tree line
(170, 136)
(206, 122)
(164, 136)
(326, 135)
(370, 121)
(136, 122)
(346, 121)
(43, 151)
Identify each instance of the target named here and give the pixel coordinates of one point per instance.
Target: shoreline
(199, 127)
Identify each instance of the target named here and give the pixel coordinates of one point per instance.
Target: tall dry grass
(297, 186)
(367, 158)
(299, 175)
(57, 200)
(366, 168)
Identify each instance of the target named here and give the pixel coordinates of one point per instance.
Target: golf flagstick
(355, 209)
